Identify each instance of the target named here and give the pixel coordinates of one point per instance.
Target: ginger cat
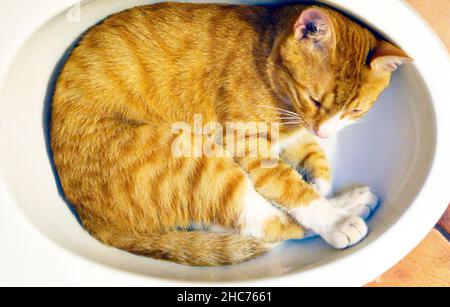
(308, 68)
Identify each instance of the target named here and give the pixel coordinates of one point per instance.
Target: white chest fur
(286, 141)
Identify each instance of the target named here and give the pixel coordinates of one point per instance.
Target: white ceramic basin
(400, 151)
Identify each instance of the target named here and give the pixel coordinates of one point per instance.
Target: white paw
(323, 186)
(346, 233)
(359, 202)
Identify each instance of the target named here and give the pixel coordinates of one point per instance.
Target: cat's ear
(314, 24)
(387, 57)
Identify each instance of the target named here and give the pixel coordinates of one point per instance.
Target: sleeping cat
(308, 68)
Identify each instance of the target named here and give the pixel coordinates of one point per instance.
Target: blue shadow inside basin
(47, 115)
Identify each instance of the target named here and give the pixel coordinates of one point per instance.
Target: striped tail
(193, 248)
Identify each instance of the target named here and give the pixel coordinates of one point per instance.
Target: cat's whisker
(291, 123)
(274, 108)
(288, 118)
(300, 118)
(286, 115)
(293, 120)
(287, 112)
(361, 121)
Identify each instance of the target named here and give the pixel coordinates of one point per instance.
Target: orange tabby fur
(142, 70)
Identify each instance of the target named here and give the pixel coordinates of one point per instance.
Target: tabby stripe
(310, 156)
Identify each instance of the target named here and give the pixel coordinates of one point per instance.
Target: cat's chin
(322, 136)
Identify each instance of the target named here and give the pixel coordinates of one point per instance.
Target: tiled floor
(429, 263)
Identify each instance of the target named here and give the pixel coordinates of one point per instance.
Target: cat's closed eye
(317, 103)
(355, 112)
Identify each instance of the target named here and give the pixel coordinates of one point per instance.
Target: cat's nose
(322, 133)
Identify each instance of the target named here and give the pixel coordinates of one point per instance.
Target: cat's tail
(194, 248)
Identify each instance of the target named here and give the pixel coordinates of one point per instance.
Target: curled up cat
(304, 71)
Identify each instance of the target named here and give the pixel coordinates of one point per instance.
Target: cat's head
(332, 70)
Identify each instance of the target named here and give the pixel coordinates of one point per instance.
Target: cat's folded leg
(262, 220)
(259, 219)
(307, 154)
(281, 184)
(225, 201)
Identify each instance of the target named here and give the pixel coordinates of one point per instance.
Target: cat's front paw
(358, 202)
(323, 186)
(346, 233)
